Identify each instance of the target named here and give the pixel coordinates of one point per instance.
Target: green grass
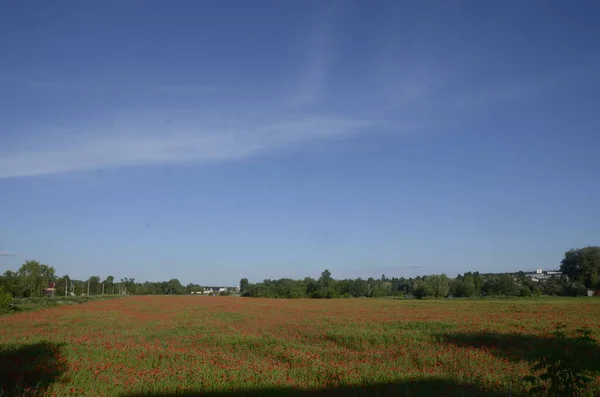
(29, 304)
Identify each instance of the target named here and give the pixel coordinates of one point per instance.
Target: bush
(525, 292)
(422, 291)
(559, 373)
(575, 289)
(5, 299)
(463, 289)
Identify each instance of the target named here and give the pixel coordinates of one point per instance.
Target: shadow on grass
(531, 348)
(426, 387)
(30, 369)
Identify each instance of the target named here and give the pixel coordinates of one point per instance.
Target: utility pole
(66, 285)
(88, 294)
(102, 288)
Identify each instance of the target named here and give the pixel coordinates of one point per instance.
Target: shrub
(560, 373)
(5, 299)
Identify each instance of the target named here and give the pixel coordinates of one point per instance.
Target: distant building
(216, 290)
(50, 291)
(541, 275)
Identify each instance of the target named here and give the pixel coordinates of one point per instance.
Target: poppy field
(228, 346)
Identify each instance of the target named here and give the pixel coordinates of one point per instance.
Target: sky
(214, 140)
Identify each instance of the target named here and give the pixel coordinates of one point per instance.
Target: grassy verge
(28, 304)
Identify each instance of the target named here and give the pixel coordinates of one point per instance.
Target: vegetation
(28, 304)
(223, 346)
(561, 373)
(5, 299)
(580, 268)
(433, 286)
(33, 277)
(583, 265)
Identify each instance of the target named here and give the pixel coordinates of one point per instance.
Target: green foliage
(422, 290)
(5, 299)
(560, 373)
(326, 286)
(174, 287)
(10, 282)
(33, 277)
(525, 292)
(358, 288)
(462, 288)
(244, 284)
(501, 285)
(583, 265)
(439, 285)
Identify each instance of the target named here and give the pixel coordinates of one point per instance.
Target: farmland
(225, 346)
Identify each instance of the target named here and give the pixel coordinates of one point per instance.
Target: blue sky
(214, 140)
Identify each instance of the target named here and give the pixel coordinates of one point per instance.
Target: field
(226, 346)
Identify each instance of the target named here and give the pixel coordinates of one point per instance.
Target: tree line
(435, 286)
(580, 270)
(32, 278)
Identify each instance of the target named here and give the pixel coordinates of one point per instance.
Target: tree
(34, 278)
(359, 287)
(421, 290)
(441, 285)
(128, 286)
(244, 284)
(10, 282)
(191, 287)
(5, 299)
(463, 288)
(95, 288)
(174, 287)
(109, 282)
(61, 286)
(78, 287)
(326, 286)
(582, 265)
(501, 284)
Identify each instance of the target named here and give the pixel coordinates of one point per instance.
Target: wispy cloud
(197, 142)
(228, 129)
(319, 59)
(219, 124)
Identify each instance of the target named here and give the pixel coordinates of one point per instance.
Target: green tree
(109, 283)
(11, 284)
(128, 286)
(5, 299)
(95, 287)
(191, 287)
(326, 287)
(463, 288)
(359, 287)
(174, 287)
(421, 289)
(582, 265)
(501, 284)
(438, 285)
(78, 287)
(244, 284)
(34, 278)
(61, 285)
